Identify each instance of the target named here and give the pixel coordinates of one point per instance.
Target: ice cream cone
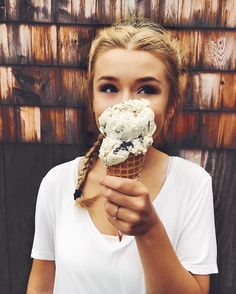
(130, 168)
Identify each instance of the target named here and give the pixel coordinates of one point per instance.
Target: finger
(135, 204)
(131, 187)
(122, 213)
(120, 225)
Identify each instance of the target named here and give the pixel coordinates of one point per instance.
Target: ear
(170, 112)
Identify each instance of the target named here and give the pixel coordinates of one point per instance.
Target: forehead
(124, 62)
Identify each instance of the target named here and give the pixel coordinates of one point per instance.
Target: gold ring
(115, 216)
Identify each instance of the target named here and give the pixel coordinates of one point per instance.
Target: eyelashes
(148, 89)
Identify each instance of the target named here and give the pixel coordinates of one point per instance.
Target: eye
(108, 88)
(149, 90)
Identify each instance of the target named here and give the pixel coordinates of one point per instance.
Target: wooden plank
(44, 44)
(107, 11)
(213, 50)
(73, 45)
(15, 44)
(13, 10)
(228, 17)
(6, 85)
(217, 49)
(72, 126)
(28, 124)
(221, 165)
(73, 87)
(83, 11)
(47, 86)
(36, 86)
(36, 10)
(29, 11)
(2, 10)
(63, 11)
(7, 124)
(208, 50)
(168, 12)
(4, 253)
(59, 125)
(199, 13)
(206, 130)
(51, 86)
(24, 168)
(209, 91)
(189, 44)
(53, 125)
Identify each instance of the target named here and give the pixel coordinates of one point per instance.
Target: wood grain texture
(23, 173)
(46, 86)
(28, 129)
(15, 44)
(6, 85)
(44, 45)
(221, 165)
(50, 86)
(206, 130)
(63, 126)
(199, 13)
(73, 45)
(182, 13)
(108, 11)
(7, 124)
(217, 49)
(2, 10)
(83, 11)
(29, 11)
(168, 12)
(35, 86)
(207, 50)
(5, 286)
(73, 87)
(228, 16)
(209, 91)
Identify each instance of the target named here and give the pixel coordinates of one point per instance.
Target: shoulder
(190, 172)
(61, 172)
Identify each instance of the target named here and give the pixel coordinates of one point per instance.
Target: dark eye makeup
(148, 89)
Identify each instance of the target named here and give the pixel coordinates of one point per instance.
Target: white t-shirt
(88, 263)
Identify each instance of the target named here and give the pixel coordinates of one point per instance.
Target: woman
(166, 216)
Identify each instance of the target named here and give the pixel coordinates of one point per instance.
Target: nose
(126, 96)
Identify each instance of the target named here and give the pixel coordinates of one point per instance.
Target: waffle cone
(130, 168)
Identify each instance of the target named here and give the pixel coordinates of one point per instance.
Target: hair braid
(87, 163)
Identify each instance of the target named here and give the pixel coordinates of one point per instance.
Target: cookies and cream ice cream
(127, 128)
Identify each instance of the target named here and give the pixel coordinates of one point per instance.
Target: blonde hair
(134, 33)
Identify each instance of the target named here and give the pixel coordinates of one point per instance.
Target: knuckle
(140, 205)
(145, 192)
(109, 192)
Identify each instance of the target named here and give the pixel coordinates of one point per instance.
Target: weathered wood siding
(44, 48)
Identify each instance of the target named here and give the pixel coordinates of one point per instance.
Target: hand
(136, 214)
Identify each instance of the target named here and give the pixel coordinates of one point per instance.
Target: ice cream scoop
(127, 128)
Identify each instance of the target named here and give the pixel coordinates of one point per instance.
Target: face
(121, 74)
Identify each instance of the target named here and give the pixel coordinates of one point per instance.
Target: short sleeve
(43, 243)
(196, 247)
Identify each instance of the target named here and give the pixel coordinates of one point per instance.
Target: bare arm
(41, 279)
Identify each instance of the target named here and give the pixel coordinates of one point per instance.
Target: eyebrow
(144, 79)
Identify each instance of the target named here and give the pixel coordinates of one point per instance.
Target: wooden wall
(43, 61)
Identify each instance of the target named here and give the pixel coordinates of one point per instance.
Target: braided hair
(88, 161)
